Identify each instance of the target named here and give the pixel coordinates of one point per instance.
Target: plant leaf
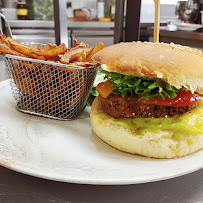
(141, 86)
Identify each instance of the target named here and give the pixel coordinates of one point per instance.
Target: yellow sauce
(187, 123)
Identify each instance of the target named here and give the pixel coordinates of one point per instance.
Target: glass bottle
(69, 10)
(100, 8)
(22, 11)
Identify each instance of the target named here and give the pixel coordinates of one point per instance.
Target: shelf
(50, 24)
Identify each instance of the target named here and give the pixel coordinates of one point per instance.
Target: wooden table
(20, 188)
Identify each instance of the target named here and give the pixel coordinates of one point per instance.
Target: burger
(151, 102)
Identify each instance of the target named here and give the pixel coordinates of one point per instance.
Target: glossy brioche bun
(175, 64)
(161, 145)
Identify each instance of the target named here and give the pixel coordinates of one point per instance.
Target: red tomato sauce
(183, 98)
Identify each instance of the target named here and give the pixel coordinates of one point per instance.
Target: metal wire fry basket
(49, 89)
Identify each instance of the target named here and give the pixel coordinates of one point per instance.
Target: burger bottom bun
(161, 145)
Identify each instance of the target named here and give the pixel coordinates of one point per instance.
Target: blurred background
(92, 21)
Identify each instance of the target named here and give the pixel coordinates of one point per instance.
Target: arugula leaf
(137, 86)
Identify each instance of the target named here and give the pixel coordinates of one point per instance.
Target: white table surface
(16, 187)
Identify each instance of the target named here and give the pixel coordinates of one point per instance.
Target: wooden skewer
(156, 20)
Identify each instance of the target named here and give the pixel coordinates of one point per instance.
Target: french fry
(7, 40)
(36, 46)
(74, 53)
(30, 66)
(83, 64)
(61, 49)
(99, 47)
(2, 38)
(63, 84)
(45, 76)
(29, 86)
(82, 44)
(17, 72)
(82, 57)
(75, 76)
(75, 43)
(54, 58)
(48, 47)
(54, 91)
(4, 49)
(29, 51)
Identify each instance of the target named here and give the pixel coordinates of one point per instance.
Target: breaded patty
(129, 107)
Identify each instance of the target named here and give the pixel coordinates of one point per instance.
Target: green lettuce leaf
(94, 92)
(137, 86)
(100, 77)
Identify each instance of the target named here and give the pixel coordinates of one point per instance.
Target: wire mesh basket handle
(4, 19)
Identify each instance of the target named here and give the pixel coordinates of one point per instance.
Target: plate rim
(128, 181)
(188, 26)
(191, 25)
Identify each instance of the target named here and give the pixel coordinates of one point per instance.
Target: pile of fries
(54, 90)
(79, 55)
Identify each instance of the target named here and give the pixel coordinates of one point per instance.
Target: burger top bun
(175, 64)
(156, 145)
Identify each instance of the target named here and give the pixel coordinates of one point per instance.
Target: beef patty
(128, 107)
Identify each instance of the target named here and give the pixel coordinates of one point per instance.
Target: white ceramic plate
(69, 151)
(188, 26)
